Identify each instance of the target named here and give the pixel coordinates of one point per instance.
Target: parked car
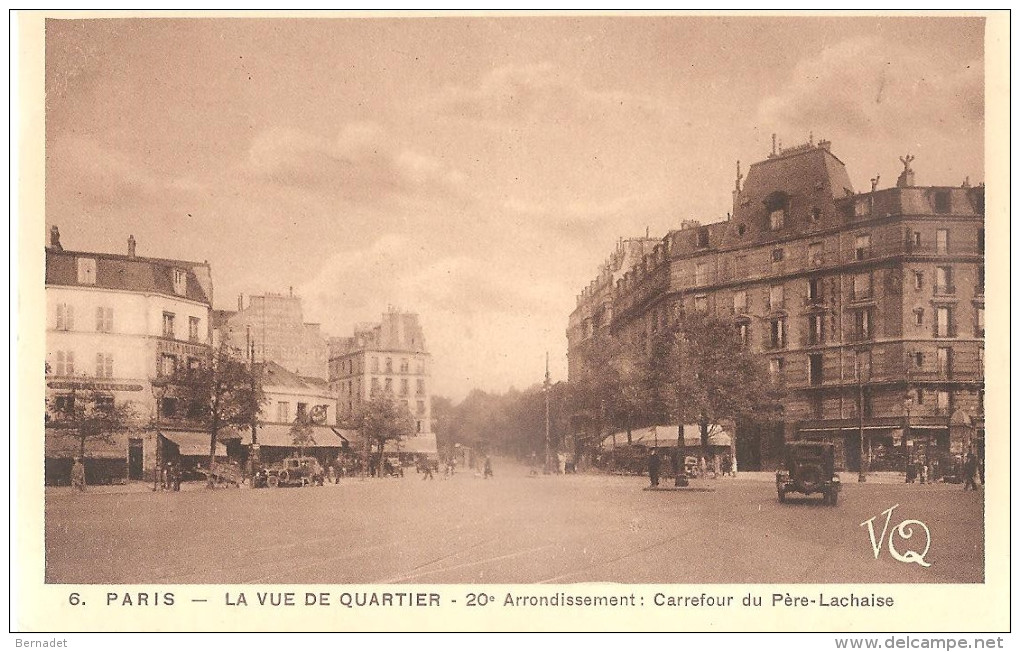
(292, 472)
(810, 469)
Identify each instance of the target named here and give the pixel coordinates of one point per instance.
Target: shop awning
(418, 444)
(279, 435)
(62, 444)
(665, 436)
(193, 443)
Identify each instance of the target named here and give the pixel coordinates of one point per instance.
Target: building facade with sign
(115, 326)
(389, 356)
(869, 306)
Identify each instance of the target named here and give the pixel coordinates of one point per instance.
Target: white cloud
(541, 91)
(867, 87)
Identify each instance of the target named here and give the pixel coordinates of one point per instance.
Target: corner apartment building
(868, 306)
(389, 356)
(117, 325)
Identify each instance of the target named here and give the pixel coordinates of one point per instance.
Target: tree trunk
(704, 438)
(211, 483)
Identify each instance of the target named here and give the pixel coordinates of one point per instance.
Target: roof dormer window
(87, 271)
(777, 204)
(180, 282)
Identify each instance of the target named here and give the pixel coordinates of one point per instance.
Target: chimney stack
(131, 246)
(55, 239)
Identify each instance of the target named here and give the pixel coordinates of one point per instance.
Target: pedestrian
(331, 475)
(702, 467)
(653, 467)
(911, 472)
(970, 471)
(78, 474)
(715, 465)
(176, 475)
(487, 473)
(923, 472)
(427, 470)
(727, 464)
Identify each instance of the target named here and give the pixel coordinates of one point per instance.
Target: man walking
(970, 470)
(653, 467)
(427, 470)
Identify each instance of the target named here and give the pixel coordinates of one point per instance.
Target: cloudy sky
(476, 171)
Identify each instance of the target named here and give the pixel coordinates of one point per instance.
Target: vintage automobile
(809, 469)
(292, 472)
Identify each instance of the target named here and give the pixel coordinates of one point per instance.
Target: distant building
(868, 306)
(119, 326)
(389, 356)
(275, 322)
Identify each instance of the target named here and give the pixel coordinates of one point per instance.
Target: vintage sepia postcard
(511, 321)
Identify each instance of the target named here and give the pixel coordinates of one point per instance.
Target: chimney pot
(55, 238)
(131, 246)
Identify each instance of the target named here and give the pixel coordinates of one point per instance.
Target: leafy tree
(702, 365)
(223, 393)
(301, 433)
(382, 419)
(90, 416)
(613, 388)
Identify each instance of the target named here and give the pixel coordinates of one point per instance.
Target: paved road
(514, 528)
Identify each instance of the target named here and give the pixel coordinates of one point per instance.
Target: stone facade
(869, 305)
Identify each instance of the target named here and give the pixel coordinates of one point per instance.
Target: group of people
(722, 465)
(969, 469)
(170, 477)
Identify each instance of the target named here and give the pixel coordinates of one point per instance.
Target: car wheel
(273, 482)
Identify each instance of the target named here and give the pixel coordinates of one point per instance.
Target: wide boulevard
(514, 528)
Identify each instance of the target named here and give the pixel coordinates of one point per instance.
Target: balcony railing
(944, 290)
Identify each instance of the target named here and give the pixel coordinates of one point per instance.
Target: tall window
(168, 324)
(979, 288)
(421, 408)
(65, 363)
(944, 361)
(862, 329)
(979, 321)
(776, 297)
(65, 317)
(405, 365)
(942, 241)
(703, 237)
(193, 323)
(283, 412)
(104, 365)
(740, 266)
(918, 280)
(404, 389)
(389, 365)
(943, 402)
(944, 322)
(862, 246)
(420, 389)
(944, 280)
(862, 286)
(815, 254)
(816, 329)
(701, 274)
(302, 411)
(777, 333)
(740, 301)
(375, 385)
(87, 271)
(862, 206)
(776, 368)
(814, 290)
(776, 205)
(815, 368)
(919, 316)
(375, 364)
(104, 319)
(388, 385)
(167, 365)
(744, 330)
